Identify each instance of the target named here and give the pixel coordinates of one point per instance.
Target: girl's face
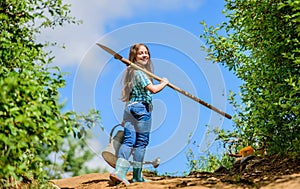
(142, 55)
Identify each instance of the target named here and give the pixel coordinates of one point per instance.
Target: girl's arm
(158, 87)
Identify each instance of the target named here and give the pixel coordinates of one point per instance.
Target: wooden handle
(129, 63)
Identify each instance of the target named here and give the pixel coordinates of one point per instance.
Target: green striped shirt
(138, 91)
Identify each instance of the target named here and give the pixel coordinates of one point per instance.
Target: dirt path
(264, 173)
(99, 181)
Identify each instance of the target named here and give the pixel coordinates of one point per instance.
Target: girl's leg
(122, 164)
(143, 128)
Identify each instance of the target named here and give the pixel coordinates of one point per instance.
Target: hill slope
(252, 172)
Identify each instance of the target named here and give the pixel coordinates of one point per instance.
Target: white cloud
(96, 14)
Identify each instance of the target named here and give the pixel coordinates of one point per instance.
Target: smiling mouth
(145, 59)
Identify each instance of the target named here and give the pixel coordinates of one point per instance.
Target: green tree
(260, 43)
(75, 157)
(31, 122)
(72, 158)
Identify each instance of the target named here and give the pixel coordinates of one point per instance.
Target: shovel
(129, 63)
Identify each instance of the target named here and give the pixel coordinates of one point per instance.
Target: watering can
(110, 153)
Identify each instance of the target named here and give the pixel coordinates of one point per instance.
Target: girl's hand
(164, 81)
(157, 87)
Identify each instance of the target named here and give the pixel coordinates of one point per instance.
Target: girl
(137, 94)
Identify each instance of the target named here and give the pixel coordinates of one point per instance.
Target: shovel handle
(129, 63)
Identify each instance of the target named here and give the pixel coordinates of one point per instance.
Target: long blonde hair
(129, 73)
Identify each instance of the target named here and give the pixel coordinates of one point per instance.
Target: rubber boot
(137, 172)
(119, 175)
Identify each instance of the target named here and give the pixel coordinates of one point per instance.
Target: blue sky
(171, 29)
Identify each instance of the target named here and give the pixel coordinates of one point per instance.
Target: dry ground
(252, 172)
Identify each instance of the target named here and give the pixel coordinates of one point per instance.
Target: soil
(250, 172)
